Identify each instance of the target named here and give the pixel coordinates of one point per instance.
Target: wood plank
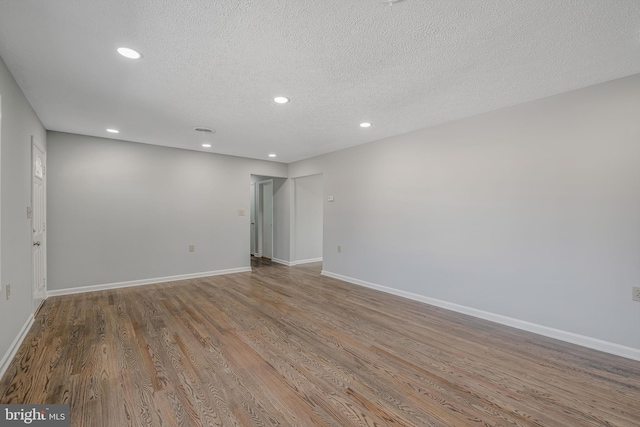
(285, 346)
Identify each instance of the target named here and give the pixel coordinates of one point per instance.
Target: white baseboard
(15, 345)
(570, 337)
(292, 263)
(307, 261)
(94, 288)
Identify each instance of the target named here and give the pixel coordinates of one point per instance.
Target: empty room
(319, 213)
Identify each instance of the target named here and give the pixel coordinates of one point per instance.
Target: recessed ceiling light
(129, 53)
(281, 99)
(113, 131)
(272, 155)
(365, 125)
(206, 145)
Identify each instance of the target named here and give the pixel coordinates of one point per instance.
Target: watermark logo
(34, 415)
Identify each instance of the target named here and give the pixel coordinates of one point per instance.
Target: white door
(38, 221)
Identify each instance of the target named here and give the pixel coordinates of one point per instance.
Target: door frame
(253, 220)
(260, 216)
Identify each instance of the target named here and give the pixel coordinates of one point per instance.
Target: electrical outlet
(339, 249)
(192, 248)
(8, 291)
(636, 293)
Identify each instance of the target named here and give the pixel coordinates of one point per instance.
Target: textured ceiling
(220, 63)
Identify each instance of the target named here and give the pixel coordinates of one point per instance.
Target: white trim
(15, 345)
(292, 263)
(260, 215)
(570, 337)
(253, 226)
(94, 288)
(264, 181)
(306, 261)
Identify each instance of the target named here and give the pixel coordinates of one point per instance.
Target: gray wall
(531, 212)
(308, 217)
(19, 122)
(121, 211)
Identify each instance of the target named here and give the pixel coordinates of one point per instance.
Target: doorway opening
(269, 204)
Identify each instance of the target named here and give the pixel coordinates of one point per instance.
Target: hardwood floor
(286, 346)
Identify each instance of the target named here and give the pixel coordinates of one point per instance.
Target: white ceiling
(219, 64)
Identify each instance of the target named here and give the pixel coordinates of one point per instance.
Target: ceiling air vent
(204, 130)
